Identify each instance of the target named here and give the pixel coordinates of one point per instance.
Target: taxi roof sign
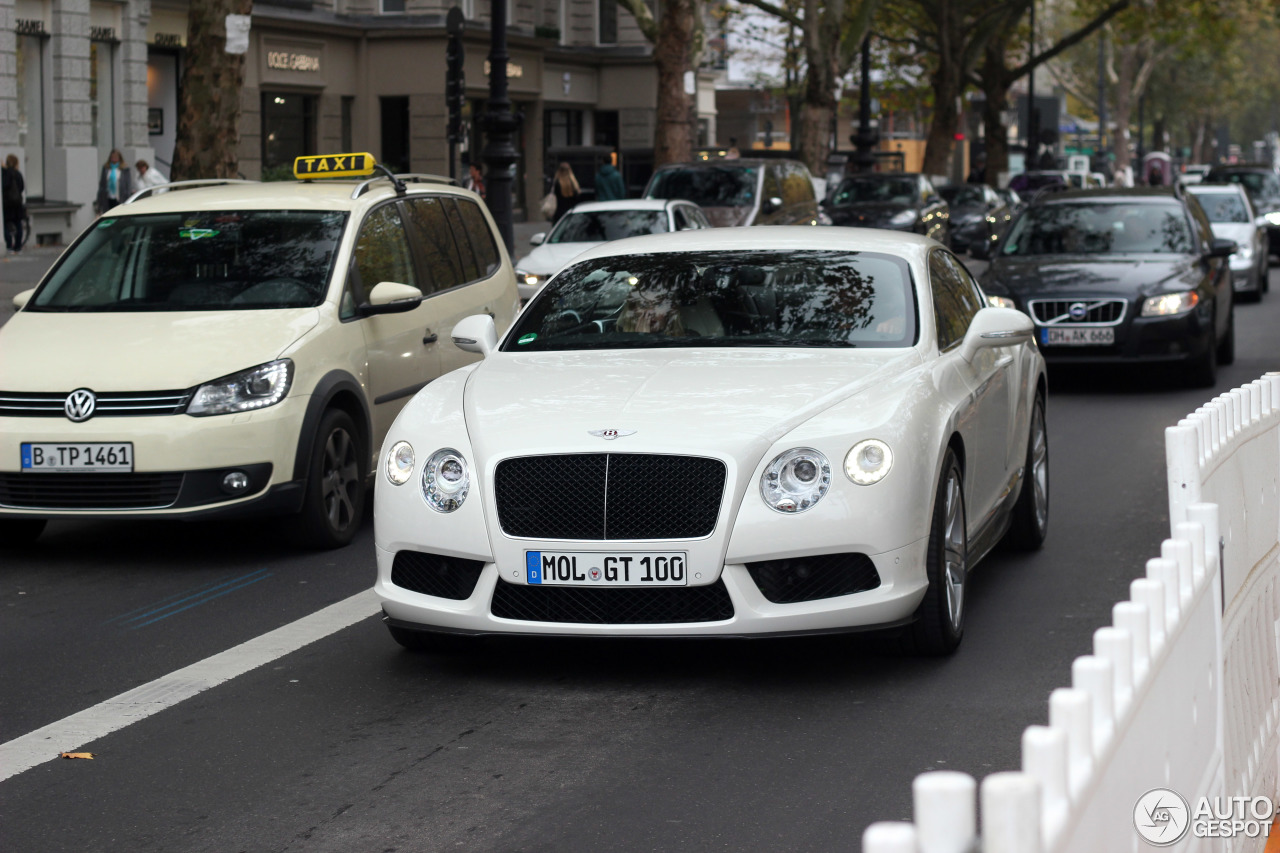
(334, 166)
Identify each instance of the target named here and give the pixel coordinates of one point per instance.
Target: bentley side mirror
(20, 299)
(996, 327)
(476, 333)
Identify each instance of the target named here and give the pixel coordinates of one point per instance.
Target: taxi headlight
(446, 480)
(796, 480)
(1000, 302)
(255, 388)
(399, 467)
(1170, 303)
(869, 461)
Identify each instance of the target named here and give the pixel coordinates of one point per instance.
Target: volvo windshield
(1100, 228)
(197, 261)
(741, 299)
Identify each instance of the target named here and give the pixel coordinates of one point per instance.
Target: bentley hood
(734, 402)
(141, 351)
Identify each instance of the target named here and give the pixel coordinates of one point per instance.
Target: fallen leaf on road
(88, 755)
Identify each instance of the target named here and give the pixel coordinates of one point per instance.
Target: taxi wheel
(334, 504)
(20, 531)
(939, 624)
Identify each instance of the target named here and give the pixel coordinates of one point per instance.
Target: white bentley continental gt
(736, 432)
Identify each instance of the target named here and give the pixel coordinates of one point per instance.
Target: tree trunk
(673, 53)
(996, 134)
(946, 118)
(1126, 72)
(208, 135)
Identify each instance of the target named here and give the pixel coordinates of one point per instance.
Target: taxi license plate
(602, 568)
(78, 457)
(1078, 337)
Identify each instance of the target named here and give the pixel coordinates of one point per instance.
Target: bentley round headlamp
(446, 480)
(399, 466)
(796, 480)
(868, 462)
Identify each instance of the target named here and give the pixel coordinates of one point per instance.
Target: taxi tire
(20, 531)
(935, 631)
(333, 507)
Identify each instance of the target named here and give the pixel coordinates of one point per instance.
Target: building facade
(81, 77)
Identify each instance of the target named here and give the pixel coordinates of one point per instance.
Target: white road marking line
(71, 733)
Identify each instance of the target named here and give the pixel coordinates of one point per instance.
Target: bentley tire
(1030, 520)
(939, 622)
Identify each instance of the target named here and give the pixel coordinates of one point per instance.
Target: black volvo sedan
(1119, 275)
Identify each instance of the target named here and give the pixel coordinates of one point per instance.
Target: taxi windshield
(815, 298)
(197, 261)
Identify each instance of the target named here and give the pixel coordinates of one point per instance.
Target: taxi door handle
(430, 338)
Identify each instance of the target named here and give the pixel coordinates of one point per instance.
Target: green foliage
(283, 172)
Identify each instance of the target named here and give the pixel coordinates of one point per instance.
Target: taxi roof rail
(185, 185)
(401, 179)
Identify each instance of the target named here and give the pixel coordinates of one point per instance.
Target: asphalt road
(350, 744)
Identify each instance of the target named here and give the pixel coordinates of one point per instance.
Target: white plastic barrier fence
(1182, 691)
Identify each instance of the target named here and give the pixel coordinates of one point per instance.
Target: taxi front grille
(596, 496)
(436, 574)
(32, 404)
(106, 491)
(618, 606)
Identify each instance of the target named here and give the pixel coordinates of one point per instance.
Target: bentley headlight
(399, 466)
(796, 480)
(869, 461)
(1170, 303)
(903, 217)
(255, 388)
(1000, 302)
(446, 480)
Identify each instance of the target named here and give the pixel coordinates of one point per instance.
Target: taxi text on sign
(334, 166)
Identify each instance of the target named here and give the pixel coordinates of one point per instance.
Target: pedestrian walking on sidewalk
(13, 194)
(114, 183)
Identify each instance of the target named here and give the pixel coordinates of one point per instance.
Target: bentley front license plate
(602, 568)
(1078, 337)
(87, 458)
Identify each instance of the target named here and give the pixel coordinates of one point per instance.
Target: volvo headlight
(446, 480)
(1000, 302)
(399, 467)
(796, 480)
(255, 388)
(1170, 303)
(869, 461)
(903, 217)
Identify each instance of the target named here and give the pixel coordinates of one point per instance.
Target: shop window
(288, 128)
(395, 133)
(348, 111)
(102, 96)
(608, 22)
(562, 128)
(392, 7)
(30, 56)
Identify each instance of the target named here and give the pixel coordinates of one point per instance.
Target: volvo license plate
(1078, 337)
(606, 568)
(78, 457)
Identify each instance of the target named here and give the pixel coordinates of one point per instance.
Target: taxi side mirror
(476, 333)
(20, 299)
(391, 297)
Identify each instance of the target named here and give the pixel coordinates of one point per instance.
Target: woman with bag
(114, 183)
(566, 191)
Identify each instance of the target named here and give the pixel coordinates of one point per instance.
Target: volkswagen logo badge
(610, 434)
(1078, 311)
(80, 405)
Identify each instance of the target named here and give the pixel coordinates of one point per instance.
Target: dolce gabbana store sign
(297, 63)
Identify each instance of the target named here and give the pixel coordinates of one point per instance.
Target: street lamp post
(500, 125)
(866, 139)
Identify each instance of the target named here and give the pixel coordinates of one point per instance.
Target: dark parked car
(901, 201)
(1120, 275)
(1012, 199)
(1263, 186)
(978, 215)
(741, 191)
